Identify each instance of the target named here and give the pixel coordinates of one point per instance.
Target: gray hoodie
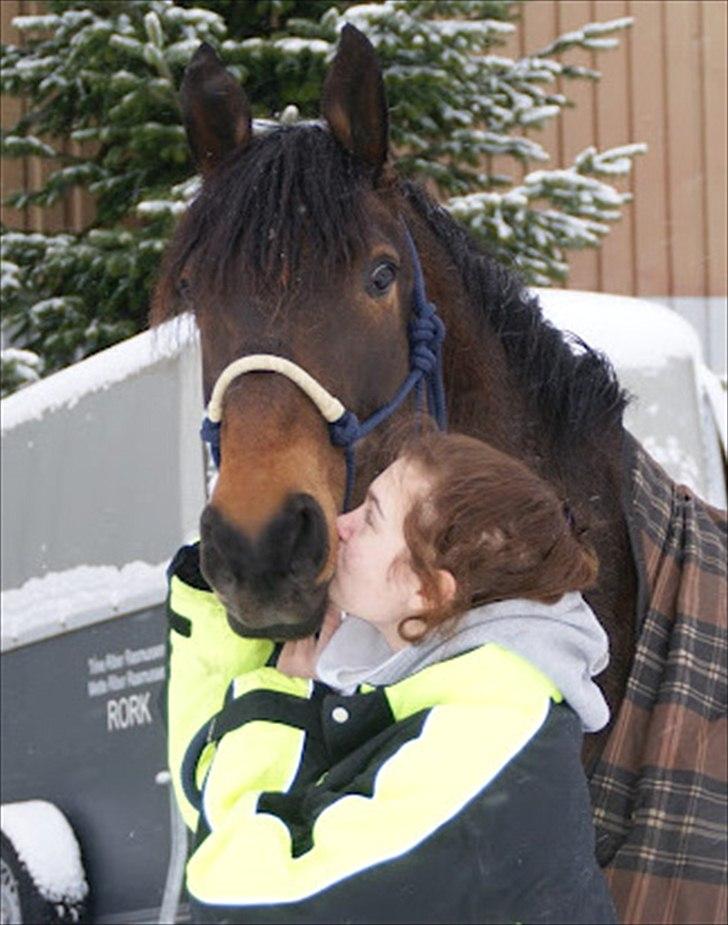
(564, 640)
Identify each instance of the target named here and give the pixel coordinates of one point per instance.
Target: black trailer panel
(83, 728)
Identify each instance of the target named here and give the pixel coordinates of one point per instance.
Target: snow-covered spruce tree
(105, 74)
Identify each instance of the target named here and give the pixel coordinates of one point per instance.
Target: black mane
(293, 198)
(574, 394)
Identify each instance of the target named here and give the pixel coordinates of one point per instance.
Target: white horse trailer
(103, 477)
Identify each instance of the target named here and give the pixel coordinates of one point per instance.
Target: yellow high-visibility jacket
(454, 795)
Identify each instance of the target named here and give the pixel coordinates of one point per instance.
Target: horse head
(295, 247)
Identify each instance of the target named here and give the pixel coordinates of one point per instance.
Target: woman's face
(373, 578)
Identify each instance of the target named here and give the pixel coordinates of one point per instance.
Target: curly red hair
(499, 529)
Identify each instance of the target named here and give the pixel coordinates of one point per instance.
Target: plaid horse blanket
(659, 788)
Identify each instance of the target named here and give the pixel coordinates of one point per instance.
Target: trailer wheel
(21, 901)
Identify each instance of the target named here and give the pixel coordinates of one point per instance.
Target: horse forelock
(284, 212)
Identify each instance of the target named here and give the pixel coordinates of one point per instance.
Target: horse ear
(354, 102)
(215, 109)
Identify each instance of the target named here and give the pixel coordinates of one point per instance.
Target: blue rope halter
(426, 333)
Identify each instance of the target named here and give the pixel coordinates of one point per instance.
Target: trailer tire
(22, 901)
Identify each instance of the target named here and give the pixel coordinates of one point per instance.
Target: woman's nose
(345, 524)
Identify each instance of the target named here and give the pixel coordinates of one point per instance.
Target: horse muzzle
(268, 583)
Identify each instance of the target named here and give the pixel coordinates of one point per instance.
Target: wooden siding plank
(34, 168)
(684, 147)
(500, 164)
(80, 204)
(12, 169)
(48, 219)
(76, 210)
(576, 128)
(539, 29)
(713, 38)
(650, 206)
(615, 256)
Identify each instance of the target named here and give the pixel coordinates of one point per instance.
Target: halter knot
(426, 333)
(427, 329)
(346, 430)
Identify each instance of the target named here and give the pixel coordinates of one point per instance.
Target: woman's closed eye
(373, 507)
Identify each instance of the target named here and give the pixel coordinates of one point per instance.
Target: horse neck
(487, 400)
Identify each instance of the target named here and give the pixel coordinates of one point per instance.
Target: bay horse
(298, 246)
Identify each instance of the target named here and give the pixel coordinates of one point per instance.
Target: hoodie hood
(563, 640)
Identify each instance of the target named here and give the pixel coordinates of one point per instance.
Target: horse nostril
(301, 537)
(225, 553)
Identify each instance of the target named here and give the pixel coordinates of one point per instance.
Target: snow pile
(102, 590)
(45, 843)
(100, 371)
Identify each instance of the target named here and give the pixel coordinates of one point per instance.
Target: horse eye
(382, 278)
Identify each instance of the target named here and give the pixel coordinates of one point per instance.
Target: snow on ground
(67, 387)
(62, 600)
(45, 843)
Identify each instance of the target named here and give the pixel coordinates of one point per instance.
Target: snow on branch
(25, 145)
(590, 37)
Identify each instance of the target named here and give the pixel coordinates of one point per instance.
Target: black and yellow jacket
(453, 795)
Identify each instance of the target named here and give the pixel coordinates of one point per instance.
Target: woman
(420, 762)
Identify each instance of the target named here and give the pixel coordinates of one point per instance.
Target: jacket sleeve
(300, 844)
(372, 845)
(204, 656)
(491, 793)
